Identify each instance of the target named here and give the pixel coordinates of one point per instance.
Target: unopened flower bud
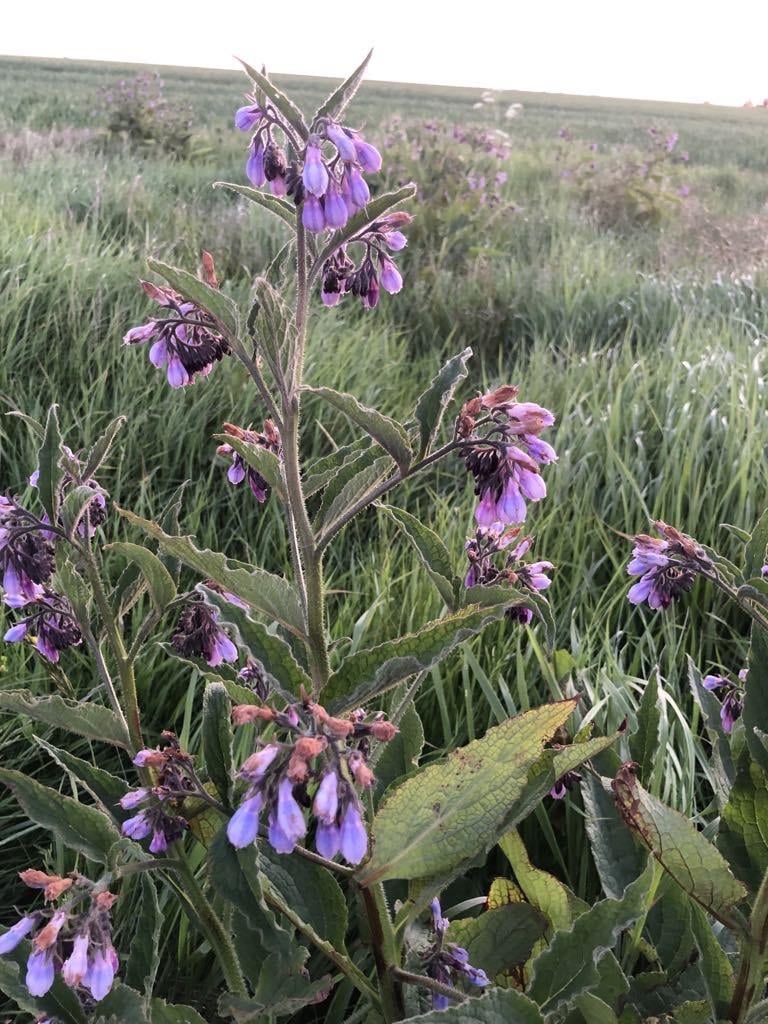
(242, 714)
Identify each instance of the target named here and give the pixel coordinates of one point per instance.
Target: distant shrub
(138, 112)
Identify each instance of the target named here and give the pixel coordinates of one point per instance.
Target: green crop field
(633, 303)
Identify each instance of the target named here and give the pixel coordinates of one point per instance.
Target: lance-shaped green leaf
(311, 891)
(271, 320)
(101, 448)
(401, 755)
(265, 462)
(384, 430)
(81, 828)
(721, 768)
(324, 470)
(356, 494)
(668, 926)
(335, 105)
(743, 833)
(282, 103)
(684, 853)
(219, 306)
(48, 459)
(283, 989)
(755, 551)
(263, 591)
(619, 859)
(355, 225)
(755, 711)
(568, 965)
(367, 674)
(173, 1013)
(76, 506)
(433, 554)
(217, 739)
(122, 1005)
(144, 958)
(497, 1006)
(545, 892)
(270, 650)
(501, 938)
(644, 742)
(432, 404)
(715, 966)
(452, 810)
(515, 598)
(349, 470)
(278, 207)
(104, 787)
(160, 584)
(86, 719)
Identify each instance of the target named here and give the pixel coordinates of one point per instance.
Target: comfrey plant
(290, 819)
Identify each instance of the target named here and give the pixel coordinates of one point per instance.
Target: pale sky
(692, 50)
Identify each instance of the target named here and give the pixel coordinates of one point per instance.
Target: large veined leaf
(282, 103)
(358, 459)
(219, 306)
(122, 1005)
(278, 207)
(272, 652)
(283, 988)
(81, 828)
(715, 966)
(324, 470)
(311, 891)
(101, 447)
(104, 787)
(160, 584)
(453, 810)
(144, 958)
(644, 743)
(383, 429)
(173, 1013)
(217, 739)
(432, 552)
(545, 892)
(497, 1006)
(568, 965)
(684, 853)
(618, 858)
(369, 673)
(335, 105)
(432, 404)
(500, 938)
(743, 833)
(263, 591)
(356, 491)
(85, 719)
(376, 208)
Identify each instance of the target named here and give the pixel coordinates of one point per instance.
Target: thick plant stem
(302, 535)
(385, 953)
(750, 983)
(208, 921)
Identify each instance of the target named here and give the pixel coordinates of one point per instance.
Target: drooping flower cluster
(315, 766)
(239, 469)
(51, 626)
(482, 551)
(667, 566)
(374, 269)
(506, 458)
(95, 513)
(175, 780)
(26, 556)
(731, 696)
(199, 634)
(325, 179)
(185, 341)
(70, 940)
(446, 962)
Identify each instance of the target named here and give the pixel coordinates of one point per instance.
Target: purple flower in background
(446, 962)
(666, 565)
(564, 784)
(731, 695)
(198, 634)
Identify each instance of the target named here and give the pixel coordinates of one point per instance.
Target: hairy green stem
(750, 982)
(385, 952)
(429, 983)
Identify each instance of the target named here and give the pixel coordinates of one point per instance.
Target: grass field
(644, 334)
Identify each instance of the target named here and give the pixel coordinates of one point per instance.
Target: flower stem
(385, 954)
(430, 983)
(750, 982)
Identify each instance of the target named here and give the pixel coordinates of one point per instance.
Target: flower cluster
(175, 780)
(316, 766)
(482, 551)
(667, 566)
(505, 461)
(239, 469)
(445, 961)
(326, 178)
(51, 625)
(731, 696)
(67, 939)
(374, 269)
(186, 341)
(26, 556)
(199, 634)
